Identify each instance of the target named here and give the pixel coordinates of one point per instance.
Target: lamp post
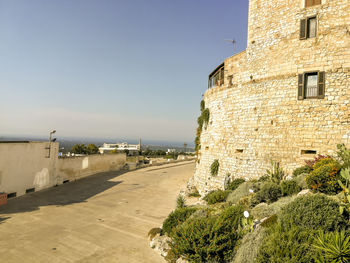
(50, 140)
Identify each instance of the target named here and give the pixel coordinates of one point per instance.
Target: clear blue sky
(112, 68)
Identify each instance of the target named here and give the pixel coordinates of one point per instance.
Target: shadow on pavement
(69, 193)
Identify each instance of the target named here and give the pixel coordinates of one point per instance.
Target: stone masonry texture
(257, 117)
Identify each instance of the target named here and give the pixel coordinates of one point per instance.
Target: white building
(132, 149)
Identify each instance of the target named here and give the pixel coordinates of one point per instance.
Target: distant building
(132, 149)
(169, 151)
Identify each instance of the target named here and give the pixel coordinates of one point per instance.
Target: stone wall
(257, 117)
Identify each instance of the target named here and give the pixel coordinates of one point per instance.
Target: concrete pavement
(101, 218)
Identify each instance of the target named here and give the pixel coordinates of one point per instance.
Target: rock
(305, 192)
(181, 260)
(160, 244)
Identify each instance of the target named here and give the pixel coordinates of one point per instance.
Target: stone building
(285, 98)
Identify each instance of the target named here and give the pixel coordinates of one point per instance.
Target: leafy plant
(216, 196)
(292, 245)
(332, 247)
(344, 155)
(214, 168)
(194, 193)
(324, 176)
(202, 105)
(205, 116)
(269, 192)
(180, 202)
(310, 163)
(276, 173)
(301, 170)
(234, 184)
(208, 239)
(345, 202)
(290, 187)
(317, 212)
(176, 218)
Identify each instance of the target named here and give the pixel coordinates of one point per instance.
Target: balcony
(216, 78)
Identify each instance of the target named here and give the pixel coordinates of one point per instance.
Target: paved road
(102, 218)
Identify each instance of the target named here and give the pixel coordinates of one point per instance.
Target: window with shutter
(321, 84)
(308, 27)
(311, 85)
(303, 28)
(309, 3)
(300, 86)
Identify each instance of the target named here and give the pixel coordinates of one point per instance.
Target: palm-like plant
(345, 203)
(276, 173)
(333, 247)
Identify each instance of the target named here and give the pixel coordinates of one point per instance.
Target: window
(308, 27)
(216, 78)
(312, 2)
(311, 85)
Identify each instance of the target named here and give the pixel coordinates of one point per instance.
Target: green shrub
(301, 181)
(271, 221)
(332, 247)
(241, 191)
(234, 184)
(180, 202)
(194, 193)
(316, 212)
(176, 218)
(205, 116)
(344, 155)
(214, 168)
(208, 239)
(264, 178)
(216, 196)
(290, 187)
(153, 232)
(202, 105)
(293, 245)
(276, 173)
(301, 170)
(269, 192)
(324, 176)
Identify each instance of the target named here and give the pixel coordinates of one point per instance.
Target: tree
(79, 149)
(91, 149)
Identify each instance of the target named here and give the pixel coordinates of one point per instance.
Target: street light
(50, 140)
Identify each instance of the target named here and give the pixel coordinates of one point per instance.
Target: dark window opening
(308, 152)
(11, 195)
(216, 78)
(311, 85)
(30, 190)
(308, 27)
(239, 150)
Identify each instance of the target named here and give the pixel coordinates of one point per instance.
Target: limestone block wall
(257, 116)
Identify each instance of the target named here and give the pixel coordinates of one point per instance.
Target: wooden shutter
(303, 28)
(321, 84)
(300, 86)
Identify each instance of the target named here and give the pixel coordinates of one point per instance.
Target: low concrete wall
(27, 165)
(78, 167)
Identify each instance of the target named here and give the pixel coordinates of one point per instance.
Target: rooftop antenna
(233, 41)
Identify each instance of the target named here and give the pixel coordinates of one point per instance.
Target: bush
(290, 187)
(311, 163)
(301, 170)
(208, 239)
(316, 212)
(269, 192)
(324, 176)
(301, 181)
(217, 196)
(293, 245)
(269, 222)
(176, 218)
(214, 168)
(333, 247)
(180, 202)
(205, 116)
(344, 155)
(234, 184)
(241, 191)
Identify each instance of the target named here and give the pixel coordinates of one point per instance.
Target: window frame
(321, 85)
(304, 31)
